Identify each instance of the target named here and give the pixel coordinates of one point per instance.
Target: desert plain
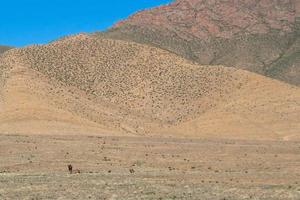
(196, 100)
(35, 167)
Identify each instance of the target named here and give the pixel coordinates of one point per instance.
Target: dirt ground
(35, 167)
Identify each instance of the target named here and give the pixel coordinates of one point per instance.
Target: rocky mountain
(261, 36)
(94, 85)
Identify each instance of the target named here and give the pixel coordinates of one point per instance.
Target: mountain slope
(257, 111)
(251, 35)
(4, 48)
(89, 85)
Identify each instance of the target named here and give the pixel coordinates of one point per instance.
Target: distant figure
(70, 167)
(76, 171)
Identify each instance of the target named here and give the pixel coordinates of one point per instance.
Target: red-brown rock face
(220, 18)
(257, 35)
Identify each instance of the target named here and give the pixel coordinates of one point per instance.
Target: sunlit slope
(87, 85)
(262, 109)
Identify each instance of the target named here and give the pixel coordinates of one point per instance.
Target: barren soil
(35, 167)
(83, 85)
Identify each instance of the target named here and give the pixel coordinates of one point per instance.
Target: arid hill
(260, 36)
(4, 48)
(84, 84)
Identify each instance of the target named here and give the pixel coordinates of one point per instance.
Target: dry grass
(35, 167)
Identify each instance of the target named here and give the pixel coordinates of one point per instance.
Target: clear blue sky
(24, 22)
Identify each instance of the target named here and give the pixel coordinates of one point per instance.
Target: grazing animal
(70, 167)
(75, 171)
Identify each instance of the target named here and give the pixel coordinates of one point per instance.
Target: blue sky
(24, 22)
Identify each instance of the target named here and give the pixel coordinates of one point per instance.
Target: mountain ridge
(251, 35)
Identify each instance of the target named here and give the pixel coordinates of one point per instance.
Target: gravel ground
(35, 167)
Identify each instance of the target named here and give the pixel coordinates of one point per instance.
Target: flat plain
(35, 167)
(194, 100)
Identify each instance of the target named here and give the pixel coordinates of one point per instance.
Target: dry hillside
(261, 36)
(84, 84)
(4, 48)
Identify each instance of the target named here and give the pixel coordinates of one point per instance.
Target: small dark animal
(75, 171)
(70, 167)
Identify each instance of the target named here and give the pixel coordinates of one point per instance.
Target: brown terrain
(260, 36)
(35, 167)
(171, 103)
(4, 48)
(84, 84)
